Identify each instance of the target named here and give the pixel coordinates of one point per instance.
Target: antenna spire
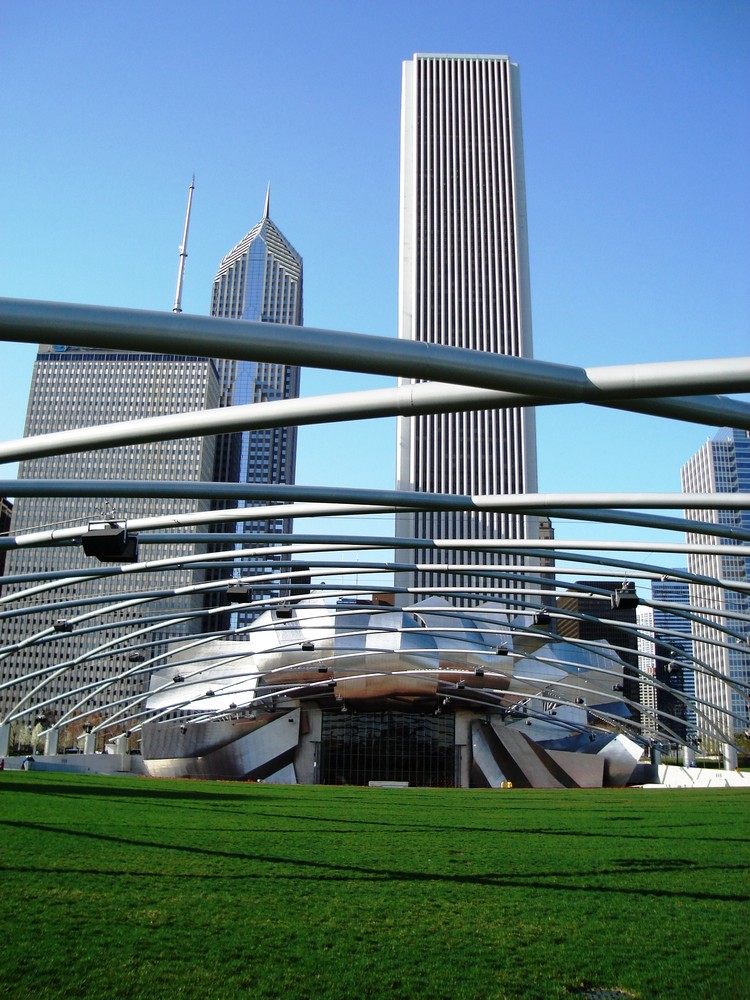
(267, 206)
(177, 307)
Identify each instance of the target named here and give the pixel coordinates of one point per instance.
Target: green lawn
(130, 887)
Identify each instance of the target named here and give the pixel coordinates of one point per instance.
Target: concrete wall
(80, 763)
(672, 776)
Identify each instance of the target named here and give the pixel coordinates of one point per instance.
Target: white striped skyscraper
(722, 634)
(464, 282)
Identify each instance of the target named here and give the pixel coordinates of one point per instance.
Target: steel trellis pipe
(172, 333)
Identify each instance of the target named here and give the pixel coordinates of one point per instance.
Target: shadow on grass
(327, 871)
(147, 791)
(432, 827)
(201, 797)
(168, 792)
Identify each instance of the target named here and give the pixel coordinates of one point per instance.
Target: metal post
(729, 753)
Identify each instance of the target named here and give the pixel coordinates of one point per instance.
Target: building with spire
(74, 387)
(464, 282)
(260, 279)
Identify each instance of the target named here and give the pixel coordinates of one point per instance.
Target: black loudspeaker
(110, 542)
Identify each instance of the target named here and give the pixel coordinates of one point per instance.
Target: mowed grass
(131, 887)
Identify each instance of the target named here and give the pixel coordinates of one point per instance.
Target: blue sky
(637, 143)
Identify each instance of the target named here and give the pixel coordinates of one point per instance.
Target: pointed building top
(268, 201)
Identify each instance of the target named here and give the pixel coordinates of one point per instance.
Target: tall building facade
(673, 632)
(667, 676)
(592, 618)
(464, 282)
(75, 387)
(260, 280)
(6, 512)
(722, 465)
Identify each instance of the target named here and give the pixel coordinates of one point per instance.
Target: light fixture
(284, 611)
(63, 625)
(109, 541)
(617, 687)
(542, 618)
(625, 599)
(178, 679)
(479, 672)
(239, 593)
(136, 658)
(308, 647)
(501, 650)
(580, 701)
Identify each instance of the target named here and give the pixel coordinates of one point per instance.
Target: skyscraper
(76, 387)
(667, 657)
(722, 465)
(6, 512)
(675, 634)
(464, 282)
(599, 621)
(260, 280)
